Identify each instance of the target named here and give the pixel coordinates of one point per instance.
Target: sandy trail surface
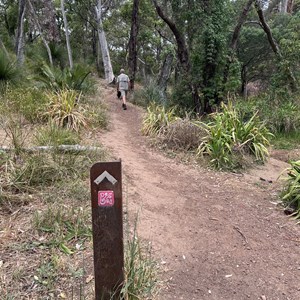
(216, 235)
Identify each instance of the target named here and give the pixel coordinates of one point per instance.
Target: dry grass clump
(182, 134)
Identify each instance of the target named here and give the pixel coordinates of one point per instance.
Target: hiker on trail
(123, 86)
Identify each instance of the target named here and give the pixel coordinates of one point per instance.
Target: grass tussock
(229, 138)
(291, 193)
(64, 110)
(61, 226)
(156, 118)
(53, 135)
(182, 134)
(141, 270)
(149, 93)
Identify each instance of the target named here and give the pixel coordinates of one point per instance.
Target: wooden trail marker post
(107, 218)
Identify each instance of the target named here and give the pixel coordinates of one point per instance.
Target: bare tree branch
(37, 24)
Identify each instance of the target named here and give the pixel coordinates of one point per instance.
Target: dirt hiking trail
(216, 235)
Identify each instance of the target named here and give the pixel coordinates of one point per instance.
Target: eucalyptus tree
(46, 15)
(69, 49)
(183, 54)
(132, 44)
(108, 70)
(200, 31)
(20, 41)
(39, 29)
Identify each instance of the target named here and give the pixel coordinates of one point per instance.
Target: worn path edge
(216, 235)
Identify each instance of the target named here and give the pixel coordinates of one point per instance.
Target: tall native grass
(141, 270)
(157, 117)
(64, 109)
(63, 226)
(149, 93)
(279, 115)
(8, 69)
(291, 194)
(229, 137)
(52, 135)
(26, 101)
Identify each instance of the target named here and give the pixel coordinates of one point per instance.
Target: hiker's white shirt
(123, 81)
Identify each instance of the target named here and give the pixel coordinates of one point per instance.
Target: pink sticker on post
(106, 198)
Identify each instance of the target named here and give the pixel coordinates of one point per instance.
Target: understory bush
(229, 138)
(149, 93)
(8, 69)
(64, 226)
(280, 116)
(53, 135)
(56, 79)
(157, 117)
(64, 109)
(291, 194)
(29, 102)
(182, 134)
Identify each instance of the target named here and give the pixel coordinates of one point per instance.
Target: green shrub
(141, 270)
(29, 102)
(64, 225)
(279, 115)
(149, 93)
(157, 117)
(229, 137)
(54, 136)
(8, 70)
(291, 194)
(74, 79)
(284, 118)
(64, 109)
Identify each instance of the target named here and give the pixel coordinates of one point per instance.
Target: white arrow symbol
(106, 175)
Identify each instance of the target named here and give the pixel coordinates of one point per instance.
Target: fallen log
(62, 148)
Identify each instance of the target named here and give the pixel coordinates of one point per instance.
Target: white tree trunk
(67, 33)
(38, 26)
(109, 74)
(20, 34)
(283, 6)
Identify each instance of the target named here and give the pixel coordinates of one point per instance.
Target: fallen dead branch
(63, 148)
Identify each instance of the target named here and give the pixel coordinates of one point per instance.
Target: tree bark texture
(273, 43)
(267, 29)
(132, 45)
(183, 56)
(234, 39)
(290, 6)
(182, 51)
(39, 28)
(244, 82)
(62, 2)
(47, 19)
(109, 74)
(164, 75)
(20, 42)
(271, 7)
(284, 6)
